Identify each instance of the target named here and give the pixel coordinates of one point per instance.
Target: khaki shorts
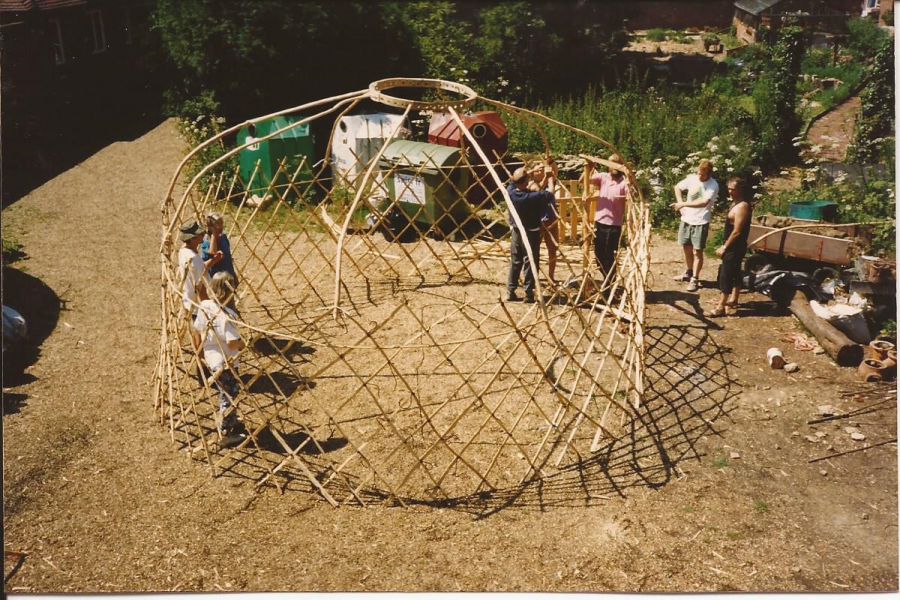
(693, 235)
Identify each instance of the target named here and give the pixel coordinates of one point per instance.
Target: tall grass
(662, 132)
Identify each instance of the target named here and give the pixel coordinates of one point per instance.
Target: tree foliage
(876, 120)
(252, 56)
(775, 97)
(244, 57)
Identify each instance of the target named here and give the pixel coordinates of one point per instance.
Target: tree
(245, 57)
(877, 104)
(775, 97)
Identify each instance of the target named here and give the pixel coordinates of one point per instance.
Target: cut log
(842, 349)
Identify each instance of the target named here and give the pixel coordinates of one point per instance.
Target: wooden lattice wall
(382, 363)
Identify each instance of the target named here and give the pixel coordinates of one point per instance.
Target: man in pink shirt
(613, 193)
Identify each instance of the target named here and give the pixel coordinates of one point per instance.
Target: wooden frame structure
(382, 364)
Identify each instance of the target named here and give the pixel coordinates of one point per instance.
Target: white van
(357, 139)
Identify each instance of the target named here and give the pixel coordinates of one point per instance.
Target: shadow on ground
(689, 394)
(40, 306)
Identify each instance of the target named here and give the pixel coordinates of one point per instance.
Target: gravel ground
(99, 499)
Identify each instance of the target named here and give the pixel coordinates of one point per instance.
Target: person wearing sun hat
(193, 271)
(530, 207)
(613, 194)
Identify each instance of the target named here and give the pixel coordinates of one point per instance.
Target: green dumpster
(293, 146)
(427, 184)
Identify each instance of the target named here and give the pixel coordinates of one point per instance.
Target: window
(870, 4)
(59, 51)
(98, 31)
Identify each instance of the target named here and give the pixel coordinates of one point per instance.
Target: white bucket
(846, 318)
(775, 358)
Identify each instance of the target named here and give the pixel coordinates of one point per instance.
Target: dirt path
(830, 136)
(96, 495)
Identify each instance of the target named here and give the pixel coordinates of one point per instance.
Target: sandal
(731, 310)
(716, 312)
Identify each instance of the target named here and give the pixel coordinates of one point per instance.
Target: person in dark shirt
(216, 241)
(732, 251)
(530, 206)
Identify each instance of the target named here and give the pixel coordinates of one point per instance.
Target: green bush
(12, 251)
(877, 107)
(663, 132)
(199, 122)
(865, 38)
(679, 37)
(657, 35)
(775, 98)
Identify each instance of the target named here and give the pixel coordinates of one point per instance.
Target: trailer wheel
(396, 228)
(823, 273)
(758, 263)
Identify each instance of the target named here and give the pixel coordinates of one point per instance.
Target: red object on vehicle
(492, 136)
(486, 127)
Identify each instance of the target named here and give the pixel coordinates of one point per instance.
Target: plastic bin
(426, 183)
(294, 146)
(357, 139)
(814, 210)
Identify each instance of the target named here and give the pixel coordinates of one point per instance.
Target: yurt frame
(529, 389)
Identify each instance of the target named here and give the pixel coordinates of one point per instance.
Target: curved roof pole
(235, 128)
(512, 211)
(237, 149)
(359, 193)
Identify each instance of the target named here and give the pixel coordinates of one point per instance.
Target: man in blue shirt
(530, 206)
(215, 241)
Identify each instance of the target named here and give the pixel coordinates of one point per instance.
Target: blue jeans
(519, 258)
(228, 389)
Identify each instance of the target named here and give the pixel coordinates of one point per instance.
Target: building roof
(26, 5)
(754, 7)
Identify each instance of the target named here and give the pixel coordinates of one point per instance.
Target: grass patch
(747, 103)
(720, 463)
(760, 507)
(13, 251)
(657, 35)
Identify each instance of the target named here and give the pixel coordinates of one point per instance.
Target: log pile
(842, 349)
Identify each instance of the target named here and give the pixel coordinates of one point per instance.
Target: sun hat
(519, 175)
(190, 230)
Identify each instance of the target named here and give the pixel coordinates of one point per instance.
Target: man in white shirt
(192, 270)
(696, 211)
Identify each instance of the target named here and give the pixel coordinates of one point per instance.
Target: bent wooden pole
(842, 349)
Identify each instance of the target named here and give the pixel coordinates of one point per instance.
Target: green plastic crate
(814, 210)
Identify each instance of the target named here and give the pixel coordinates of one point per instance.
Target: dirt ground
(99, 499)
(640, 43)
